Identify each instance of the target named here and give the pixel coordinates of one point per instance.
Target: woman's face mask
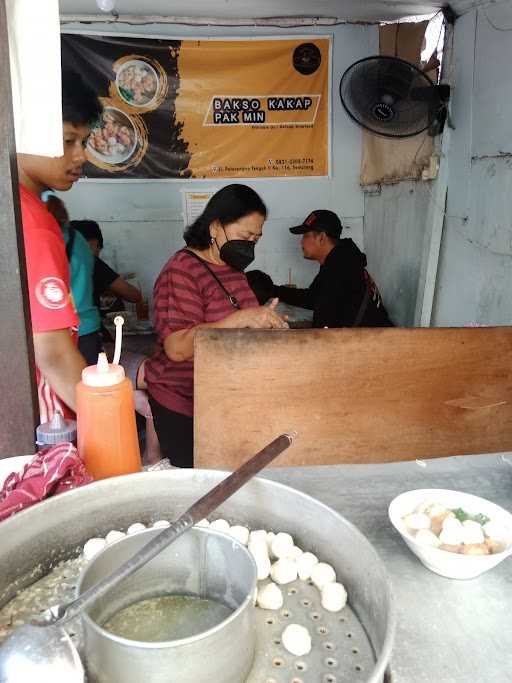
(237, 253)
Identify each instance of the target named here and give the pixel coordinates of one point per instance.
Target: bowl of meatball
(137, 83)
(454, 534)
(113, 139)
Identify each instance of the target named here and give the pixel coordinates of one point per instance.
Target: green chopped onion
(462, 516)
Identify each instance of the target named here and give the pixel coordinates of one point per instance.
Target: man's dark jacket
(337, 292)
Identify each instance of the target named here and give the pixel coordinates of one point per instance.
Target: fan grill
(389, 96)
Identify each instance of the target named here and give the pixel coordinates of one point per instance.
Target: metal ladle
(43, 651)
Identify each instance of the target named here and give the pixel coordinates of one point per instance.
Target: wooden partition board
(353, 395)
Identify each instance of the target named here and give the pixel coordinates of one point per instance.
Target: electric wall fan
(391, 97)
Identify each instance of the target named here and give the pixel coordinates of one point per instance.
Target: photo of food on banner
(137, 82)
(114, 138)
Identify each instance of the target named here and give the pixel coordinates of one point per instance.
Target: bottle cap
(57, 430)
(103, 374)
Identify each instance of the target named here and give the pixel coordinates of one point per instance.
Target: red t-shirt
(51, 305)
(186, 295)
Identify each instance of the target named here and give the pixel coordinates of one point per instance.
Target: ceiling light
(106, 5)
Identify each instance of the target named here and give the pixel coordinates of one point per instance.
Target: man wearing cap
(343, 294)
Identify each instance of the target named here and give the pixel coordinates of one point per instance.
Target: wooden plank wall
(353, 395)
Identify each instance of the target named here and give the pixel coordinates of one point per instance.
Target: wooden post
(18, 393)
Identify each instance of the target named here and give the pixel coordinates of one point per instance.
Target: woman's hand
(179, 346)
(260, 317)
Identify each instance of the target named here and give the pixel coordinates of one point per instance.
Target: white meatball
(220, 525)
(305, 564)
(270, 597)
(321, 574)
(296, 640)
(295, 553)
(452, 524)
(452, 532)
(202, 522)
(161, 524)
(93, 547)
(417, 520)
(334, 597)
(257, 547)
(241, 533)
(284, 571)
(135, 528)
(497, 531)
(472, 532)
(114, 535)
(258, 550)
(262, 566)
(270, 537)
(282, 545)
(427, 537)
(437, 510)
(258, 535)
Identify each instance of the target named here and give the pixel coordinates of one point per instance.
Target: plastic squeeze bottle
(56, 431)
(107, 432)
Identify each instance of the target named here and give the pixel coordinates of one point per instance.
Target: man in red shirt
(54, 320)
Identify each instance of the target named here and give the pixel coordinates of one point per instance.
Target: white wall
(475, 274)
(474, 278)
(142, 221)
(394, 238)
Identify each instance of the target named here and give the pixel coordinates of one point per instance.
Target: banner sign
(206, 108)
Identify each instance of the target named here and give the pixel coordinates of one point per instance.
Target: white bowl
(444, 562)
(146, 66)
(119, 156)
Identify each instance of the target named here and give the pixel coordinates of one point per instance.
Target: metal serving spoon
(43, 651)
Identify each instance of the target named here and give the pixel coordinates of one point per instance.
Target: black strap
(70, 242)
(362, 308)
(232, 299)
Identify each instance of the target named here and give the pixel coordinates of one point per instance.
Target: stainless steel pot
(33, 540)
(201, 563)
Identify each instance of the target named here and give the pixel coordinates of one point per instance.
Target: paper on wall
(194, 203)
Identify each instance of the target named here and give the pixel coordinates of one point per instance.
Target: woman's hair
(80, 106)
(226, 206)
(90, 230)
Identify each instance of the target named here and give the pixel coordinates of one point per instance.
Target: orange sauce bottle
(107, 432)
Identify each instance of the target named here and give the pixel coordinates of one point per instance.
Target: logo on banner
(51, 292)
(307, 58)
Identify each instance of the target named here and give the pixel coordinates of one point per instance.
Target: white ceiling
(343, 10)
